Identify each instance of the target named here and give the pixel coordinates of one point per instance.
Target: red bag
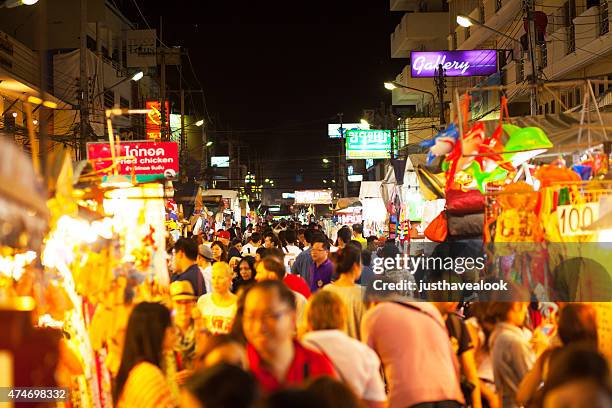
(437, 230)
(460, 202)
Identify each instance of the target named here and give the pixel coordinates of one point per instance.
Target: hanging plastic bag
(437, 230)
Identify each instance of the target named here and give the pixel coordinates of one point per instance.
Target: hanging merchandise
(466, 225)
(442, 144)
(524, 143)
(437, 230)
(460, 202)
(549, 174)
(431, 185)
(518, 220)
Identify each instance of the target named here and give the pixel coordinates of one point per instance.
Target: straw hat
(182, 290)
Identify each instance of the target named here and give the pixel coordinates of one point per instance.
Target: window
(570, 99)
(498, 5)
(546, 108)
(578, 100)
(109, 98)
(124, 103)
(564, 99)
(540, 109)
(601, 88)
(552, 106)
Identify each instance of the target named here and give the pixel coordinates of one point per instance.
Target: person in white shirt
(287, 240)
(254, 243)
(205, 260)
(357, 364)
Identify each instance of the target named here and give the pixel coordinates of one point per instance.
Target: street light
(199, 122)
(208, 144)
(16, 3)
(136, 77)
(364, 122)
(325, 160)
(467, 21)
(324, 181)
(394, 85)
(390, 86)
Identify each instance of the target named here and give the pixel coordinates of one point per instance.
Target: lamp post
(136, 77)
(467, 21)
(391, 85)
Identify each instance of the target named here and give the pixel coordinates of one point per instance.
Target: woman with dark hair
(222, 385)
(245, 273)
(577, 324)
(347, 267)
(235, 248)
(219, 251)
(140, 381)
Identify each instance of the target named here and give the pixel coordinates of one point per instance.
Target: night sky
(276, 72)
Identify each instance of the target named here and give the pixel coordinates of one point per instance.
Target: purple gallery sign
(424, 64)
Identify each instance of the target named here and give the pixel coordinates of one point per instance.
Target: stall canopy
(347, 202)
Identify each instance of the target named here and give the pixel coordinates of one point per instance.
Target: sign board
(149, 160)
(175, 127)
(140, 48)
(355, 177)
(368, 144)
(219, 161)
(154, 119)
(573, 219)
(313, 197)
(333, 129)
(463, 63)
(369, 163)
(288, 195)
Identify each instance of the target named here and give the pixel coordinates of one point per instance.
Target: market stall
(374, 212)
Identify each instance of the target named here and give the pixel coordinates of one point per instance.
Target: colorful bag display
(460, 202)
(437, 230)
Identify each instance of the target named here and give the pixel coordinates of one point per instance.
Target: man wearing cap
(224, 237)
(185, 266)
(205, 261)
(183, 303)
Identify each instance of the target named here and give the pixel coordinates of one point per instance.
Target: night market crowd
(280, 316)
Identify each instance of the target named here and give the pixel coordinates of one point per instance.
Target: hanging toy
(442, 144)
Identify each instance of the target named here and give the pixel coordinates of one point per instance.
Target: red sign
(146, 158)
(154, 120)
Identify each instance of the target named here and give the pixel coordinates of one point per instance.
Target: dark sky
(276, 72)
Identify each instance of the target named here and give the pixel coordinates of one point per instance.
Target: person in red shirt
(276, 359)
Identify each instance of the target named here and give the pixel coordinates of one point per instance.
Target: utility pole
(182, 155)
(83, 83)
(441, 88)
(343, 156)
(163, 81)
(531, 35)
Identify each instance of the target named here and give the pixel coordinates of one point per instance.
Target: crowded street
(347, 204)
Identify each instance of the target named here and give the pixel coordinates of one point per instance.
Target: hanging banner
(140, 48)
(148, 160)
(368, 144)
(154, 120)
(424, 64)
(313, 197)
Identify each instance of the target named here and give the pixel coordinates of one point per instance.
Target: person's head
(325, 310)
(336, 394)
(366, 257)
(221, 277)
(344, 236)
(185, 254)
(320, 249)
(301, 236)
(579, 377)
(219, 251)
(220, 386)
(578, 323)
(282, 238)
(358, 230)
(293, 398)
(246, 268)
(372, 243)
(183, 300)
(224, 237)
(270, 240)
(149, 332)
(259, 254)
(290, 236)
(249, 227)
(236, 243)
(255, 238)
(347, 261)
(270, 268)
(269, 316)
(205, 255)
(274, 252)
(509, 312)
(309, 235)
(222, 348)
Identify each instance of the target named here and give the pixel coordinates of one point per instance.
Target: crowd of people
(279, 316)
